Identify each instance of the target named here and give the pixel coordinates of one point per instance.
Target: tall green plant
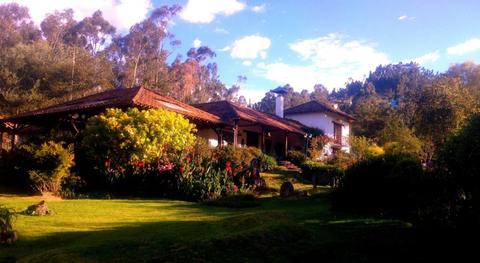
(50, 164)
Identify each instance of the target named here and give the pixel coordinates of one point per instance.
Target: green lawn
(164, 230)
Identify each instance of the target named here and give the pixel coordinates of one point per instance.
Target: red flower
(182, 169)
(235, 188)
(228, 167)
(140, 164)
(107, 163)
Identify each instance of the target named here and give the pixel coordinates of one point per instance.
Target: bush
(203, 181)
(7, 234)
(316, 146)
(320, 173)
(363, 148)
(296, 157)
(388, 184)
(136, 144)
(459, 163)
(341, 159)
(240, 158)
(7, 216)
(268, 163)
(49, 165)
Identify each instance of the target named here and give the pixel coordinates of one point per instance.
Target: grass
(164, 230)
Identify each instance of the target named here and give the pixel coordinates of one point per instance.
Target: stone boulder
(40, 209)
(287, 190)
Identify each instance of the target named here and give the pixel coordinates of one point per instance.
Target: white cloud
(221, 30)
(252, 94)
(200, 11)
(465, 47)
(259, 8)
(197, 43)
(402, 17)
(425, 59)
(120, 13)
(249, 47)
(247, 63)
(330, 60)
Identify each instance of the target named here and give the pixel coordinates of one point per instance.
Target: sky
(303, 42)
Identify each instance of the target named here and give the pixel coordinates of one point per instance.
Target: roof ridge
(231, 105)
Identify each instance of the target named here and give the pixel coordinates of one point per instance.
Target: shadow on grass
(279, 231)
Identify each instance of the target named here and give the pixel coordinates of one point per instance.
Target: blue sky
(329, 41)
(304, 42)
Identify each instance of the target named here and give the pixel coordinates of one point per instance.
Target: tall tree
(141, 54)
(16, 26)
(56, 26)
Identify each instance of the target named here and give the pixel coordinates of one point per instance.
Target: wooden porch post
(263, 140)
(286, 144)
(219, 133)
(235, 134)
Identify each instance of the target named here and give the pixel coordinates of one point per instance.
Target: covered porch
(246, 127)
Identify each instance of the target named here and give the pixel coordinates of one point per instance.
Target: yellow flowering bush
(119, 141)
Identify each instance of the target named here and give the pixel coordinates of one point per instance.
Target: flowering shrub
(296, 157)
(118, 143)
(204, 181)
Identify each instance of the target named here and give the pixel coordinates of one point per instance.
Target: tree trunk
(73, 73)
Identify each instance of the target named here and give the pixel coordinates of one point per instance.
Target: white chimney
(279, 105)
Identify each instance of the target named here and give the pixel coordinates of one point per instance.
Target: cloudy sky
(275, 42)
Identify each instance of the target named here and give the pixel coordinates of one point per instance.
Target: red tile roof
(139, 96)
(229, 112)
(316, 106)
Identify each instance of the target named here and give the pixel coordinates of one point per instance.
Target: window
(337, 132)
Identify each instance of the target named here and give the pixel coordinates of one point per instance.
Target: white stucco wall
(324, 121)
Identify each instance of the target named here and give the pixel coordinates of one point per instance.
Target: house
(222, 121)
(335, 123)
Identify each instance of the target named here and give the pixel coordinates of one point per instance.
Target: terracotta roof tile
(229, 112)
(316, 106)
(139, 96)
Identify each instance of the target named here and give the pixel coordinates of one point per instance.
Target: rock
(287, 190)
(40, 209)
(8, 236)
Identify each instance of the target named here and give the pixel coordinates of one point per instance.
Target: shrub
(119, 144)
(363, 148)
(7, 217)
(50, 164)
(459, 163)
(320, 173)
(316, 146)
(7, 234)
(296, 157)
(341, 159)
(268, 163)
(388, 184)
(240, 158)
(203, 181)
